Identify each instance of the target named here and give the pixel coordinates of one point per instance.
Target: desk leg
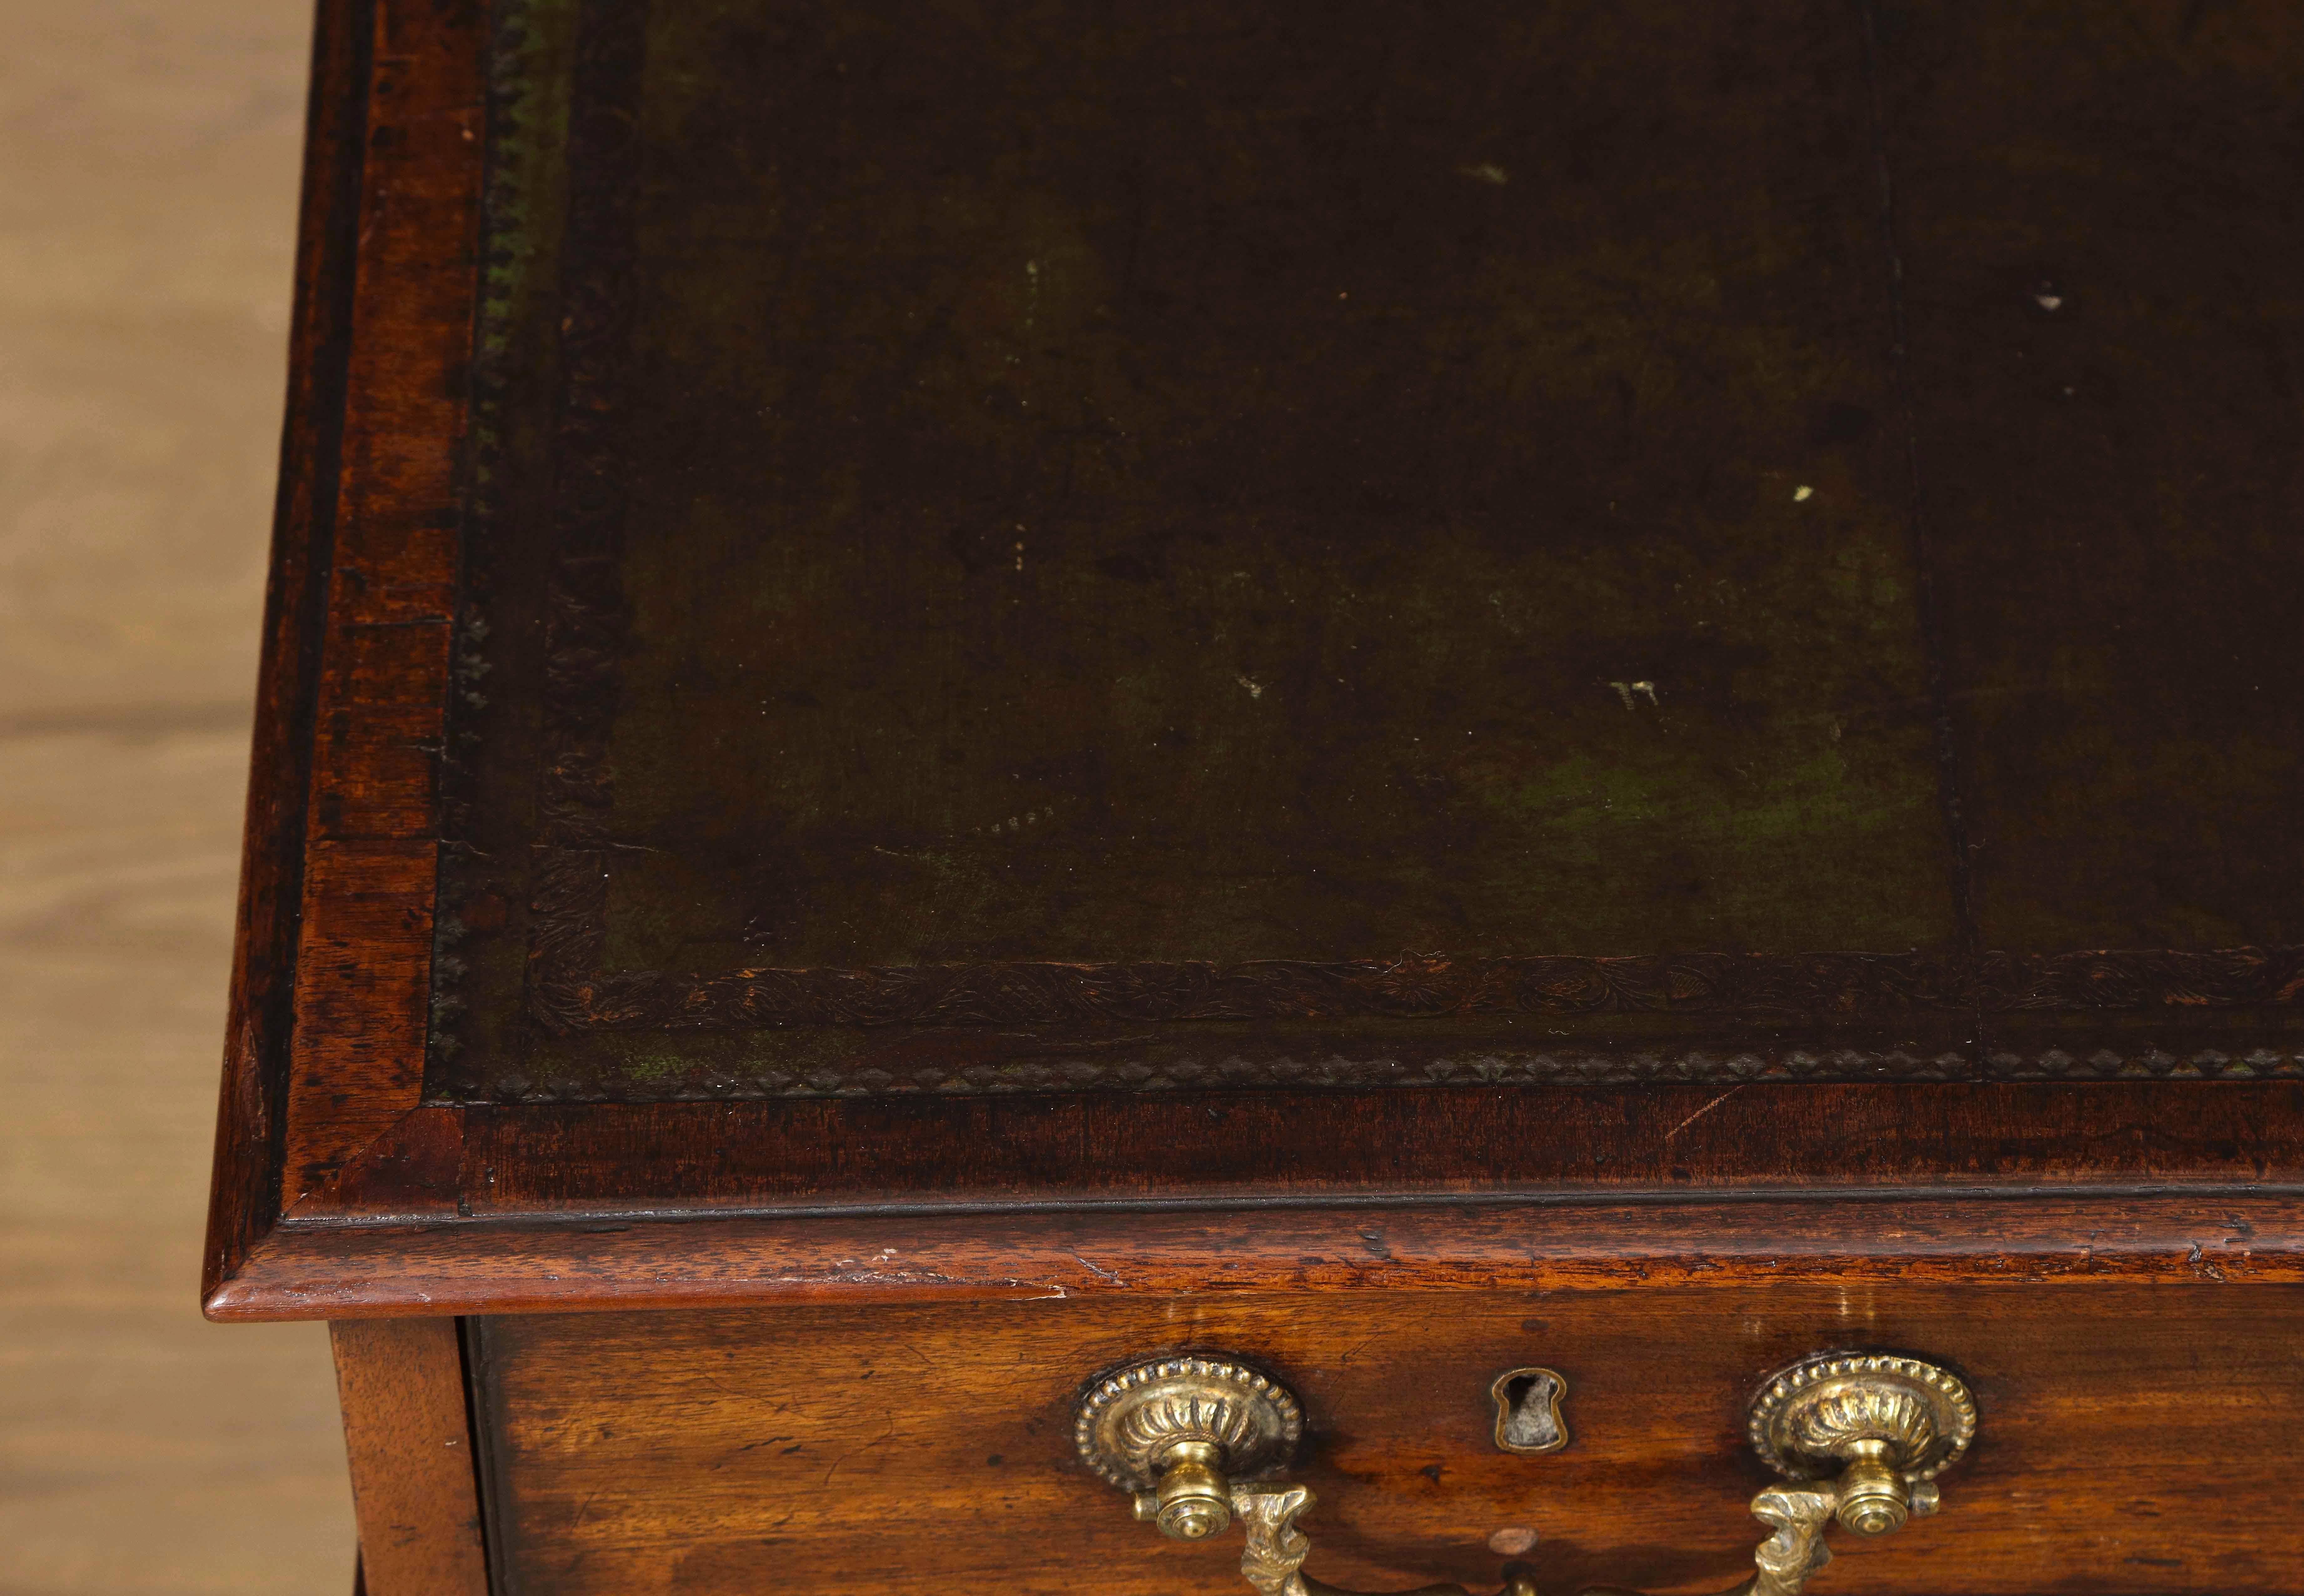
(409, 1443)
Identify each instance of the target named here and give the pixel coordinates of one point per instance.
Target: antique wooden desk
(1359, 748)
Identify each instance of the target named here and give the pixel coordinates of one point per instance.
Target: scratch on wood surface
(1699, 1113)
(1101, 1274)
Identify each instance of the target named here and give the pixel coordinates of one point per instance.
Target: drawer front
(2125, 1445)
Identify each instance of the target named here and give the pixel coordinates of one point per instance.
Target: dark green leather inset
(1302, 542)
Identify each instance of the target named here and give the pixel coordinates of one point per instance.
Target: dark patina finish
(907, 641)
(1052, 548)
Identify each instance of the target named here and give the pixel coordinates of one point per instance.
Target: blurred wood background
(148, 156)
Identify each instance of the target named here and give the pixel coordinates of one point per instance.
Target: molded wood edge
(2203, 1234)
(382, 332)
(244, 1192)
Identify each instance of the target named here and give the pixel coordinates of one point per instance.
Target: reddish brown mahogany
(244, 1198)
(720, 1452)
(409, 1445)
(326, 1271)
(322, 1121)
(2110, 1247)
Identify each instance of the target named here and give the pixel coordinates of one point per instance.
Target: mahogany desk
(1362, 750)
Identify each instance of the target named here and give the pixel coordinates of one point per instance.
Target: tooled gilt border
(569, 992)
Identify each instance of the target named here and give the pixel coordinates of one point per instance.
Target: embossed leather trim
(1815, 987)
(569, 992)
(1089, 1071)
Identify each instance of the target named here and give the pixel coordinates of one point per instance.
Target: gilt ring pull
(1199, 1440)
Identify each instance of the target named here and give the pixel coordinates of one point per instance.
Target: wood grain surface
(390, 599)
(321, 1114)
(407, 1435)
(243, 1196)
(2052, 1241)
(2125, 1446)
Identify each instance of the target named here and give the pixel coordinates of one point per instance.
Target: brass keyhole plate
(1529, 1421)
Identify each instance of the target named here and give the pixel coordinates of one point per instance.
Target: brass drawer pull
(1195, 1440)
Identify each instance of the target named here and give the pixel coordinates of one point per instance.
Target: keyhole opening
(1528, 1411)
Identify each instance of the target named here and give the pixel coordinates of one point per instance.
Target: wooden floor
(147, 171)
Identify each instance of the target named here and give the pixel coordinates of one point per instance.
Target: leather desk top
(895, 609)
